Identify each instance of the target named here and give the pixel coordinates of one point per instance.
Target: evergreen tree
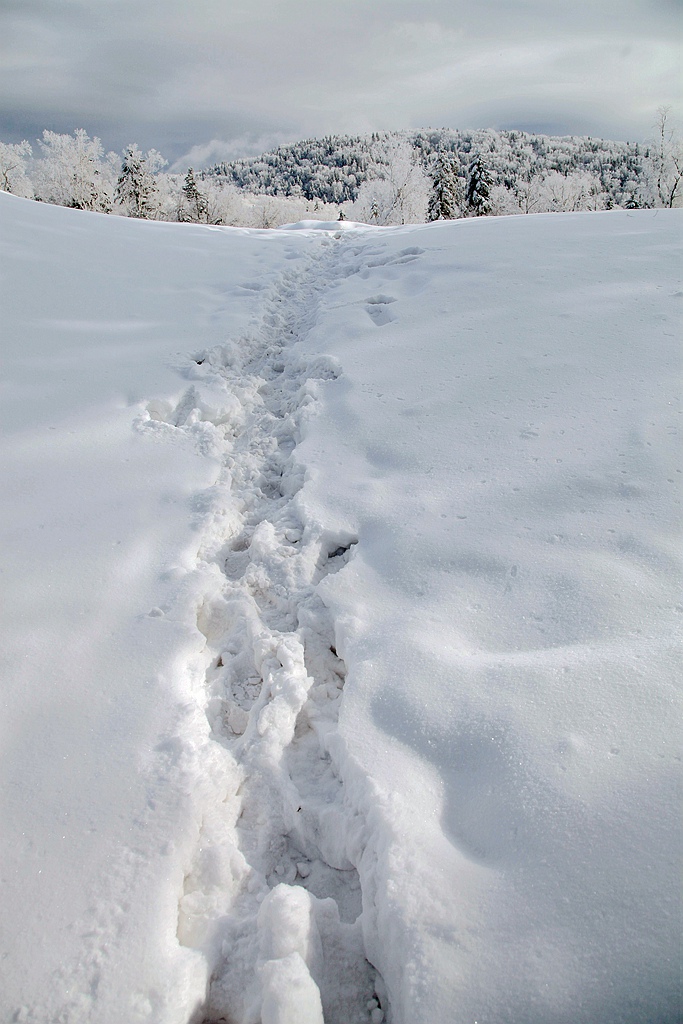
(136, 189)
(445, 194)
(479, 183)
(196, 202)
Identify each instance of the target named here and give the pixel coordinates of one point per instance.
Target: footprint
(338, 554)
(404, 256)
(251, 286)
(408, 255)
(193, 408)
(377, 309)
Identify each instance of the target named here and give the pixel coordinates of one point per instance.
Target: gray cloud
(235, 72)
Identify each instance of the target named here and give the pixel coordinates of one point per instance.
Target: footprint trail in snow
(272, 897)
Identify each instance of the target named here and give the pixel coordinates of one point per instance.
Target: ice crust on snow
(341, 641)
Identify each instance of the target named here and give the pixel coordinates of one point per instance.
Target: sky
(217, 79)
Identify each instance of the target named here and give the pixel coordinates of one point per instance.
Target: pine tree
(196, 201)
(445, 194)
(136, 189)
(478, 189)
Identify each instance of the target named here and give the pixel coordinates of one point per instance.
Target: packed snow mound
(341, 639)
(323, 225)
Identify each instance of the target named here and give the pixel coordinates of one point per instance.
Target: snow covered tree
(319, 168)
(195, 204)
(223, 202)
(383, 175)
(73, 172)
(564, 193)
(396, 189)
(477, 198)
(13, 177)
(445, 199)
(267, 212)
(375, 203)
(136, 189)
(504, 202)
(664, 166)
(528, 192)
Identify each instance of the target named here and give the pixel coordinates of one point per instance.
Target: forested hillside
(388, 178)
(334, 168)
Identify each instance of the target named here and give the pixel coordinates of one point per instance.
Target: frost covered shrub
(13, 176)
(663, 184)
(74, 172)
(549, 193)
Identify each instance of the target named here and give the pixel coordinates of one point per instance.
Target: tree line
(387, 178)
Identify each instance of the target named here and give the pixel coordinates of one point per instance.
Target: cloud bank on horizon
(224, 79)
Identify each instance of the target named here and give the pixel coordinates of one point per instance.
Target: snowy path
(341, 639)
(281, 889)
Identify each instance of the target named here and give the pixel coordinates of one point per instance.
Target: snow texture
(341, 621)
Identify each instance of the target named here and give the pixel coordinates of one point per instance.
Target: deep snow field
(340, 633)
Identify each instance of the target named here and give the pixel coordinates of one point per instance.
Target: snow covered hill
(340, 641)
(332, 169)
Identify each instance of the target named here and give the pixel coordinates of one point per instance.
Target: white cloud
(173, 76)
(213, 152)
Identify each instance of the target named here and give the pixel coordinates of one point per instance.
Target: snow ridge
(272, 897)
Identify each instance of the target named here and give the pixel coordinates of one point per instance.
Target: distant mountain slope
(332, 169)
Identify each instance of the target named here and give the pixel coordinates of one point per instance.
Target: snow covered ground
(340, 638)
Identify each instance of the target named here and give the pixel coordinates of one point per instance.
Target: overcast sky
(207, 79)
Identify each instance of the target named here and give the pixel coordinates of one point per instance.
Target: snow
(341, 620)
